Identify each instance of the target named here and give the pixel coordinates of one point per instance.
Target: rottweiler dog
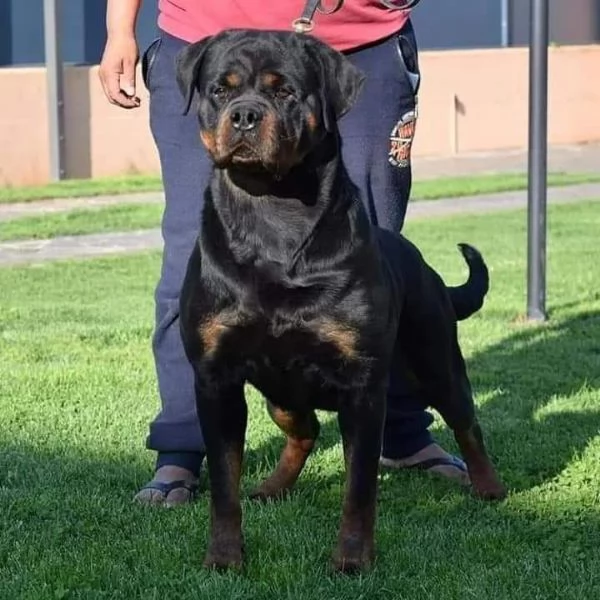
(291, 289)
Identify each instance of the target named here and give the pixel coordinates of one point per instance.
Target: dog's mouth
(244, 153)
(255, 155)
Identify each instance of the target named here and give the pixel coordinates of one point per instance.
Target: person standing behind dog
(377, 136)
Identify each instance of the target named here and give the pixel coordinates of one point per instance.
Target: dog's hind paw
(266, 494)
(488, 487)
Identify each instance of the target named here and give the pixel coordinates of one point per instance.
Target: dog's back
(406, 264)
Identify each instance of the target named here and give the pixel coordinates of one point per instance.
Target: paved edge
(9, 211)
(502, 201)
(580, 158)
(81, 246)
(97, 245)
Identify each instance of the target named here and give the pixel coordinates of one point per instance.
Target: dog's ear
(187, 64)
(340, 81)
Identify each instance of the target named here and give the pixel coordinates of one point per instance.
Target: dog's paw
(488, 487)
(266, 493)
(353, 556)
(224, 557)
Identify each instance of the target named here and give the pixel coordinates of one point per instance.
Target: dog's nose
(245, 118)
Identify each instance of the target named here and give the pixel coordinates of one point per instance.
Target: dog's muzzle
(245, 116)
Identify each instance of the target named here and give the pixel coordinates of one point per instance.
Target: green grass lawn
(130, 217)
(77, 391)
(75, 188)
(120, 217)
(424, 190)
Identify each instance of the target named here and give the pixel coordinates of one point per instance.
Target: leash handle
(305, 23)
(400, 4)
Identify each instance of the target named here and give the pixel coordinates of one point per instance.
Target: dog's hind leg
(467, 432)
(301, 429)
(436, 359)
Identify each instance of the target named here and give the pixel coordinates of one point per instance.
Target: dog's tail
(468, 297)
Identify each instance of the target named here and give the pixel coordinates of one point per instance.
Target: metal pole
(505, 23)
(538, 149)
(54, 71)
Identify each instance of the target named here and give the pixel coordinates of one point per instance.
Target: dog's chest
(281, 352)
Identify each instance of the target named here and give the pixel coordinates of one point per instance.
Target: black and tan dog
(289, 288)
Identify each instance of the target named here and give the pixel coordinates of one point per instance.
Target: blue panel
(146, 27)
(458, 24)
(27, 31)
(5, 33)
(572, 22)
(93, 26)
(83, 24)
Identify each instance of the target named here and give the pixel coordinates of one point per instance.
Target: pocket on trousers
(408, 58)
(148, 60)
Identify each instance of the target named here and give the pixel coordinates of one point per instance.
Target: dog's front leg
(361, 415)
(223, 415)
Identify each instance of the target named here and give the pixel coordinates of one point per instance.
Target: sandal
(164, 489)
(429, 465)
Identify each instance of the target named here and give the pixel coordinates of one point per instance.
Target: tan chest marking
(343, 337)
(212, 329)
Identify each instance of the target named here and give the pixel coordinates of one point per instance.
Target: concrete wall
(470, 100)
(478, 100)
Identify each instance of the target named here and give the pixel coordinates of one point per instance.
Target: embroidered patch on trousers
(401, 139)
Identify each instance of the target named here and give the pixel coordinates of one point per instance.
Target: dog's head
(266, 100)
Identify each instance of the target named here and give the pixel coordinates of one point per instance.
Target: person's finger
(127, 78)
(105, 86)
(111, 83)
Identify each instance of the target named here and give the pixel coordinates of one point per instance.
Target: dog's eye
(283, 92)
(219, 92)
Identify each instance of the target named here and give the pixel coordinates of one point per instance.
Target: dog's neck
(273, 219)
(300, 185)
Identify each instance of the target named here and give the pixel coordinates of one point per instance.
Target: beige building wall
(470, 101)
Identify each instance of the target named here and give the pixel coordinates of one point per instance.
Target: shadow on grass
(71, 530)
(533, 424)
(76, 509)
(532, 427)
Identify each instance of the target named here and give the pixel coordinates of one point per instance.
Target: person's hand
(117, 70)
